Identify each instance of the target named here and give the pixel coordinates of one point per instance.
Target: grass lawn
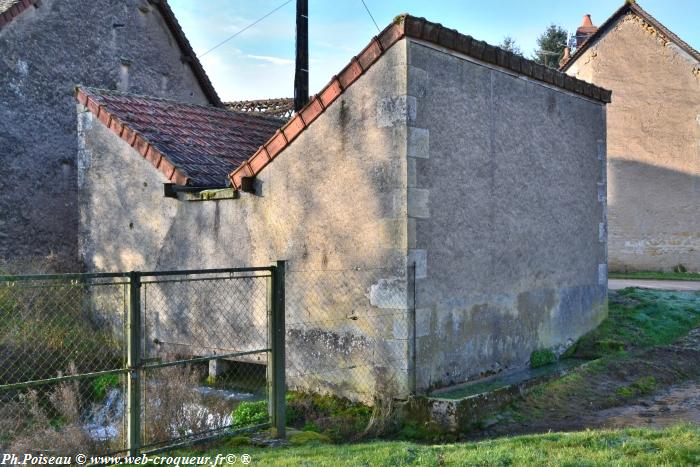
(657, 275)
(673, 446)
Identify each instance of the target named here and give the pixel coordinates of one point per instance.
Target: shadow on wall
(653, 217)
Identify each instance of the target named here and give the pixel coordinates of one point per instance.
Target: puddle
(678, 404)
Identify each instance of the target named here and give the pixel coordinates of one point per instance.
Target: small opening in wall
(131, 225)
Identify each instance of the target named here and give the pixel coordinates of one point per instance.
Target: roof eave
(630, 7)
(406, 26)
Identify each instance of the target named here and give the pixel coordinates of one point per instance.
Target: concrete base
(449, 412)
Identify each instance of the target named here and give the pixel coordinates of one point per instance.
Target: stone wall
(653, 145)
(480, 177)
(332, 204)
(46, 51)
(506, 206)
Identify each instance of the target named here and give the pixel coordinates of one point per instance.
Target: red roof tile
(417, 28)
(191, 144)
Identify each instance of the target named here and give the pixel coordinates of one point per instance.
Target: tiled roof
(281, 108)
(191, 144)
(9, 9)
(631, 6)
(420, 29)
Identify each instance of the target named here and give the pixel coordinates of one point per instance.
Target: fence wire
(203, 343)
(64, 343)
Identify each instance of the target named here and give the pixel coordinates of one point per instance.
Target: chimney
(585, 30)
(565, 57)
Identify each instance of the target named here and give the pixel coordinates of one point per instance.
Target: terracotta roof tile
(281, 108)
(191, 144)
(9, 9)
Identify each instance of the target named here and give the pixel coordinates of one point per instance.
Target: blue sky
(259, 63)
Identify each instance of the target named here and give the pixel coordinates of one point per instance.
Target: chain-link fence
(116, 363)
(113, 363)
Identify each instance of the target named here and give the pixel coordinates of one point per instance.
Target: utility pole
(301, 72)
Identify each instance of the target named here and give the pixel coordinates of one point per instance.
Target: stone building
(47, 47)
(653, 139)
(440, 203)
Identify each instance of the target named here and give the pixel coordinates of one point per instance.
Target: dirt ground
(658, 387)
(677, 404)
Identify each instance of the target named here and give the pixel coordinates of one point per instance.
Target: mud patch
(677, 404)
(665, 379)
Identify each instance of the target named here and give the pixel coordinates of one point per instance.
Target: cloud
(273, 60)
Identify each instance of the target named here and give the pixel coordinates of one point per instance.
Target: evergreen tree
(551, 46)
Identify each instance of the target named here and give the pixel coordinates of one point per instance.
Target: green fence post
(276, 364)
(133, 386)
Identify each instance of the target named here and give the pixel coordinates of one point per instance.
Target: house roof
(281, 107)
(633, 7)
(194, 145)
(416, 28)
(9, 9)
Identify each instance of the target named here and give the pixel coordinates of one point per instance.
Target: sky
(259, 63)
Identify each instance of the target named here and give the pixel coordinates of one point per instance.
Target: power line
(246, 28)
(370, 15)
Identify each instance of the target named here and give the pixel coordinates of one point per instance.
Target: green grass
(638, 319)
(672, 446)
(656, 275)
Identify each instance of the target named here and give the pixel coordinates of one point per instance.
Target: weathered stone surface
(501, 220)
(44, 53)
(653, 146)
(512, 240)
(332, 204)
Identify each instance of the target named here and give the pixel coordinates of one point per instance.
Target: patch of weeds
(308, 437)
(238, 441)
(102, 384)
(542, 357)
(338, 418)
(642, 386)
(250, 413)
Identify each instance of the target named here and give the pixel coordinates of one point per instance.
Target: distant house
(440, 203)
(653, 139)
(46, 48)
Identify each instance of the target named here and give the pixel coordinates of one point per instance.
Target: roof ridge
(634, 7)
(405, 25)
(97, 91)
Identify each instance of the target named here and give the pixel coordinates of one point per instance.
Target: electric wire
(245, 28)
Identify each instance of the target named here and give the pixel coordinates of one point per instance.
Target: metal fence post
(276, 364)
(133, 387)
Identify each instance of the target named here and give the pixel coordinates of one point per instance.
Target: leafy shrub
(102, 384)
(542, 357)
(250, 413)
